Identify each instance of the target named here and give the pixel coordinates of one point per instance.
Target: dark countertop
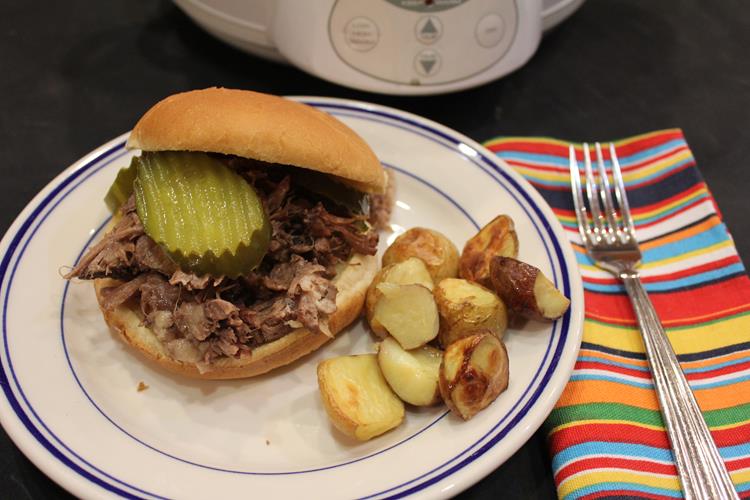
(78, 73)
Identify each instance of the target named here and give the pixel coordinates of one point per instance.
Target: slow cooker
(403, 47)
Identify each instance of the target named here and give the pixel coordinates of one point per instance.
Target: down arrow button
(427, 62)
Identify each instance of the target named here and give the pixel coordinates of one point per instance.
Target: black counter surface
(75, 74)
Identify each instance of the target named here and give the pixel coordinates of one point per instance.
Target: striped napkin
(606, 434)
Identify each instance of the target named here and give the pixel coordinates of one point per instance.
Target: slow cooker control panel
(422, 42)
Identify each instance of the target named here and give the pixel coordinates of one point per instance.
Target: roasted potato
(358, 400)
(408, 313)
(496, 238)
(434, 248)
(526, 290)
(413, 375)
(409, 272)
(465, 307)
(474, 372)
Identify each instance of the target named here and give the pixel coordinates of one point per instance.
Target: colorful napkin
(606, 434)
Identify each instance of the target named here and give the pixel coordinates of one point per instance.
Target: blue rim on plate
(560, 338)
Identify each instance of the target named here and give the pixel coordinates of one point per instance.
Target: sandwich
(243, 236)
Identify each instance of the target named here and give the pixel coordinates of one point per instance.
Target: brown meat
(272, 319)
(113, 255)
(162, 324)
(381, 205)
(307, 312)
(274, 200)
(201, 317)
(114, 296)
(218, 309)
(227, 342)
(192, 281)
(158, 295)
(324, 224)
(281, 276)
(314, 294)
(150, 256)
(190, 319)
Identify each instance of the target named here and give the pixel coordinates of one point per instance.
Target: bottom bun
(351, 282)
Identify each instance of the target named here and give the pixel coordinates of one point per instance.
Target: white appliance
(403, 47)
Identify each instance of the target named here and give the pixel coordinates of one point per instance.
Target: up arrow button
(428, 29)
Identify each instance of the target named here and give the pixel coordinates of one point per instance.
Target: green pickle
(122, 188)
(208, 218)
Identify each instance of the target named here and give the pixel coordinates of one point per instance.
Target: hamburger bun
(126, 321)
(273, 130)
(262, 127)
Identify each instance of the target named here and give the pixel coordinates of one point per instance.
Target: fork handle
(700, 467)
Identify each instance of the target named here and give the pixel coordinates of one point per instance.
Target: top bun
(262, 127)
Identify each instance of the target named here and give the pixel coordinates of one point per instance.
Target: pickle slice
(122, 188)
(207, 217)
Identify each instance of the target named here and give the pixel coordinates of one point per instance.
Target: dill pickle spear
(208, 218)
(122, 187)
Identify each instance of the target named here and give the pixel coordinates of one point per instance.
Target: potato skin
(407, 272)
(513, 281)
(474, 372)
(518, 284)
(498, 237)
(434, 248)
(466, 307)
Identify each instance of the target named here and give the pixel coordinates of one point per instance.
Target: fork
(614, 248)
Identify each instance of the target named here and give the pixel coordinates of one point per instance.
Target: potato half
(358, 400)
(496, 238)
(408, 313)
(474, 372)
(526, 290)
(413, 375)
(465, 307)
(409, 272)
(434, 248)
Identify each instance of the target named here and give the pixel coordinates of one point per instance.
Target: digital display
(426, 5)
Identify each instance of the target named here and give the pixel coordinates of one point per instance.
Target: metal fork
(614, 247)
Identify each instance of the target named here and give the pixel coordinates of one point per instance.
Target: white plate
(70, 400)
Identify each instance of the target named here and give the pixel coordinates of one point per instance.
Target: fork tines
(604, 227)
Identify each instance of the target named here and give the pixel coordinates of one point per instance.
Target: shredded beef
(149, 255)
(314, 294)
(226, 343)
(158, 295)
(201, 318)
(274, 200)
(281, 276)
(192, 281)
(324, 224)
(191, 320)
(162, 324)
(114, 296)
(218, 309)
(113, 256)
(270, 319)
(124, 252)
(381, 205)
